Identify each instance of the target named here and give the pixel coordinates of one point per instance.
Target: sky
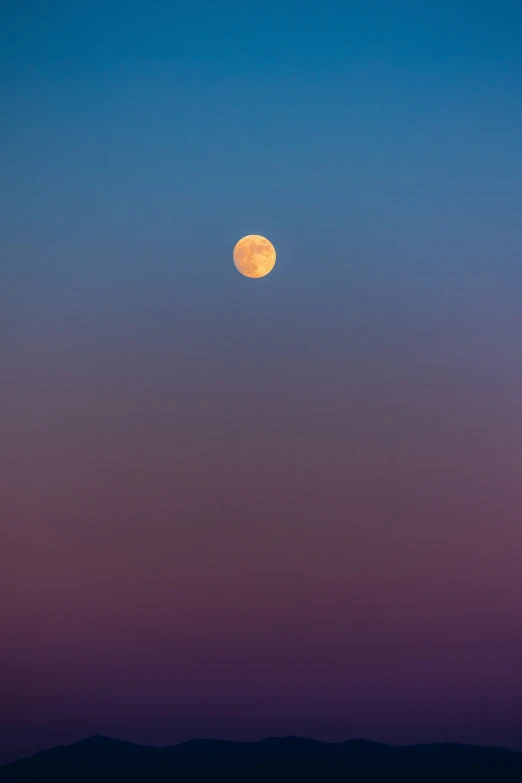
(237, 508)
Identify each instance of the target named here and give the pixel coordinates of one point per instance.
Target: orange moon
(254, 256)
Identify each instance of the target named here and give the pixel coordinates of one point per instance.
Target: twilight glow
(287, 507)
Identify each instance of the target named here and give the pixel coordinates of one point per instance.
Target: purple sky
(235, 508)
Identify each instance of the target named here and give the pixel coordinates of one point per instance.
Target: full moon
(254, 256)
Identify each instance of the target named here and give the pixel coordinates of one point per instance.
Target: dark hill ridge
(273, 759)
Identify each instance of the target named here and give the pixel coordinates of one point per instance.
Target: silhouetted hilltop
(274, 759)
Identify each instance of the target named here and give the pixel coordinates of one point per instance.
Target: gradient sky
(231, 507)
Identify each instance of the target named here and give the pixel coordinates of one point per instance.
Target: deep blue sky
(311, 480)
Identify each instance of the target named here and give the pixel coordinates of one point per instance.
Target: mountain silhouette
(274, 760)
